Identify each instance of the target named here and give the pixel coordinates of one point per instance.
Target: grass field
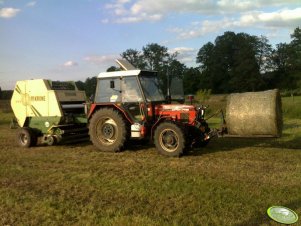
(230, 182)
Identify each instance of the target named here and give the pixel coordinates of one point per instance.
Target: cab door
(132, 99)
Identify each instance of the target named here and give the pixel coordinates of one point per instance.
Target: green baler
(49, 112)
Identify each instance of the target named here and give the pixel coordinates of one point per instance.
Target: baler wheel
(169, 139)
(107, 130)
(25, 137)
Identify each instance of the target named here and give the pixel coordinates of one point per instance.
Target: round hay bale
(254, 114)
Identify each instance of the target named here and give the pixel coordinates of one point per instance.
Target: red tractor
(129, 104)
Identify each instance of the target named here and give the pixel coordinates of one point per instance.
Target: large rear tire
(169, 139)
(107, 130)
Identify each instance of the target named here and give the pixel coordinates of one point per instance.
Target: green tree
(156, 58)
(191, 80)
(264, 54)
(295, 47)
(204, 56)
(113, 68)
(206, 60)
(230, 64)
(245, 73)
(135, 57)
(281, 57)
(80, 85)
(90, 86)
(287, 60)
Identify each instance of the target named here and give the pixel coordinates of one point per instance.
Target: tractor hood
(185, 113)
(174, 107)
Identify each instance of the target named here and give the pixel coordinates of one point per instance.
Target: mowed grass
(232, 181)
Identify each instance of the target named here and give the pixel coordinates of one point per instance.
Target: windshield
(151, 88)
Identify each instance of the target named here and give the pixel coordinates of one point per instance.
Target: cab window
(105, 93)
(130, 90)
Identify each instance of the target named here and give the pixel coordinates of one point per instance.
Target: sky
(76, 39)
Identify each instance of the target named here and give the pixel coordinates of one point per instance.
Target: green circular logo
(282, 215)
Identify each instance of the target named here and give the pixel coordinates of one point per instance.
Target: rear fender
(96, 107)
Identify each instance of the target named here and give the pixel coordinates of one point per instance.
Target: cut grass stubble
(230, 182)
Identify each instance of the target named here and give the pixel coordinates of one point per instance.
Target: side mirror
(112, 84)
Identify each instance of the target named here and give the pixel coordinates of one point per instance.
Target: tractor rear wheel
(26, 138)
(169, 139)
(107, 130)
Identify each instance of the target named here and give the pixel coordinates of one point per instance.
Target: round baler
(48, 112)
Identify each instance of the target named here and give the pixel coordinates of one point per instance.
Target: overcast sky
(76, 39)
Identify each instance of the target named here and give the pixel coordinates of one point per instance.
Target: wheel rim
(107, 130)
(169, 140)
(23, 138)
(50, 140)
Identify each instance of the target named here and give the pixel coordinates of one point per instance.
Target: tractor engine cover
(178, 112)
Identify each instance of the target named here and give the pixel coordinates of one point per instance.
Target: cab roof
(118, 74)
(113, 74)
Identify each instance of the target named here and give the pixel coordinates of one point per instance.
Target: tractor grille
(184, 117)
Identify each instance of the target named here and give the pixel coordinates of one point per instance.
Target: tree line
(234, 62)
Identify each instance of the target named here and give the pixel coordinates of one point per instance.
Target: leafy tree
(206, 59)
(80, 85)
(287, 61)
(192, 80)
(295, 45)
(230, 64)
(281, 57)
(90, 86)
(135, 57)
(156, 58)
(264, 54)
(245, 74)
(204, 56)
(113, 68)
(7, 94)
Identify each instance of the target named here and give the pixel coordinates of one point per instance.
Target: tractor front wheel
(107, 130)
(169, 139)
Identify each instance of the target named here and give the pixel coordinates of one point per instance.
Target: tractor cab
(131, 90)
(137, 92)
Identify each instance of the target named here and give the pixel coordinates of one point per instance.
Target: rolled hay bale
(254, 114)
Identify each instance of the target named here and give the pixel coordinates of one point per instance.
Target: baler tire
(25, 137)
(107, 130)
(169, 139)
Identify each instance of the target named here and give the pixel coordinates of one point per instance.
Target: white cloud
(9, 12)
(185, 55)
(31, 4)
(230, 5)
(203, 28)
(105, 21)
(140, 18)
(281, 18)
(168, 6)
(285, 17)
(70, 63)
(126, 11)
(102, 59)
